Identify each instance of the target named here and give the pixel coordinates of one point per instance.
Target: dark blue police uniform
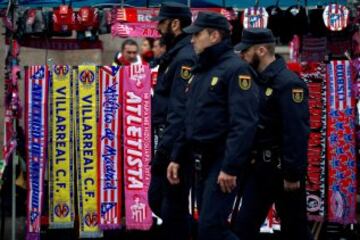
(220, 125)
(170, 203)
(281, 151)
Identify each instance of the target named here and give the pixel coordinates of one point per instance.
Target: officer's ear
(261, 50)
(215, 35)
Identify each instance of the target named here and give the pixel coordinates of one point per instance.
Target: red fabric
(147, 56)
(87, 19)
(122, 61)
(63, 19)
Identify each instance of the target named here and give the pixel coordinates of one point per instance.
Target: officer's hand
(173, 173)
(227, 182)
(291, 186)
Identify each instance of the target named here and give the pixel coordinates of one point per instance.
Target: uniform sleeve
(294, 111)
(176, 105)
(243, 106)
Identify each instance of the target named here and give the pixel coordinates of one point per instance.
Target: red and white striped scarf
(109, 148)
(36, 128)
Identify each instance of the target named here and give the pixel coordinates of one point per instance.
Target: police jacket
(222, 106)
(180, 57)
(284, 118)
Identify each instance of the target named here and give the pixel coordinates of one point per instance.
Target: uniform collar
(214, 54)
(273, 69)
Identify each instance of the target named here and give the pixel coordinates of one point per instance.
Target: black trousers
(215, 206)
(171, 203)
(263, 188)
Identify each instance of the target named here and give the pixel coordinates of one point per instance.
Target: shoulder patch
(298, 95)
(185, 72)
(244, 82)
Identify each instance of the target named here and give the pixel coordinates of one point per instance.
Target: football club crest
(336, 17)
(91, 219)
(255, 17)
(245, 82)
(61, 70)
(298, 95)
(87, 77)
(62, 210)
(185, 72)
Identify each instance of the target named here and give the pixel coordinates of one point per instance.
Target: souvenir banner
(36, 123)
(109, 145)
(87, 161)
(135, 30)
(143, 15)
(314, 74)
(341, 153)
(136, 22)
(137, 145)
(61, 164)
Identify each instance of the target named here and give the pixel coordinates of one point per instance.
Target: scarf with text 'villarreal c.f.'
(36, 128)
(137, 145)
(341, 153)
(109, 148)
(87, 161)
(61, 164)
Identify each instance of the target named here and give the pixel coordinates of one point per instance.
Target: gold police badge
(244, 82)
(298, 95)
(185, 72)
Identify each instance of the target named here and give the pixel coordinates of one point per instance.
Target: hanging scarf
(137, 145)
(36, 95)
(109, 146)
(61, 164)
(87, 161)
(314, 74)
(341, 152)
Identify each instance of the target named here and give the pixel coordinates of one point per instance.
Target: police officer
(220, 123)
(171, 203)
(280, 145)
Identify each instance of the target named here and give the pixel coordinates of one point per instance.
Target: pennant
(109, 146)
(36, 97)
(87, 161)
(255, 17)
(61, 164)
(314, 74)
(336, 17)
(341, 151)
(137, 146)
